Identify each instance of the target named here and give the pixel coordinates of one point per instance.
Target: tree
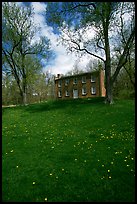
(94, 65)
(105, 20)
(75, 70)
(19, 43)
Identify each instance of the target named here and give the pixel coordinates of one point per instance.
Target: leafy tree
(104, 24)
(10, 92)
(19, 44)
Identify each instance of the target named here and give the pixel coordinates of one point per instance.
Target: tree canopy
(20, 43)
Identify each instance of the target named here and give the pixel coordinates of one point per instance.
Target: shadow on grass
(61, 104)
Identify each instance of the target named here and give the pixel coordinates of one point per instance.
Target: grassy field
(81, 150)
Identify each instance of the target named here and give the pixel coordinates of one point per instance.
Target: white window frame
(75, 81)
(59, 83)
(67, 93)
(59, 94)
(66, 82)
(84, 79)
(93, 78)
(84, 91)
(93, 90)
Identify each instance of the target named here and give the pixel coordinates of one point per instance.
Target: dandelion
(17, 166)
(108, 170)
(11, 150)
(33, 183)
(111, 162)
(62, 169)
(50, 174)
(111, 137)
(127, 164)
(109, 177)
(102, 165)
(75, 159)
(46, 199)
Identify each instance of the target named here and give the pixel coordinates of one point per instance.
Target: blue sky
(62, 62)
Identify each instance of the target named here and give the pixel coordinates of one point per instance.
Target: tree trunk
(109, 85)
(24, 99)
(109, 96)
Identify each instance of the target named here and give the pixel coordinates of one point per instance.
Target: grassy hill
(77, 150)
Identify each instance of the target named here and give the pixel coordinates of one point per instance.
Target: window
(75, 81)
(93, 90)
(84, 91)
(59, 93)
(59, 83)
(84, 79)
(66, 82)
(93, 78)
(67, 93)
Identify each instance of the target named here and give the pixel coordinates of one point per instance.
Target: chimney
(58, 76)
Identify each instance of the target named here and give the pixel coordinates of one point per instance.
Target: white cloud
(63, 61)
(39, 7)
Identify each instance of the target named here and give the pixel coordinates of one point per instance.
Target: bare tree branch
(84, 49)
(79, 5)
(123, 58)
(99, 45)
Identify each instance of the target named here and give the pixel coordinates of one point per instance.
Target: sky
(62, 62)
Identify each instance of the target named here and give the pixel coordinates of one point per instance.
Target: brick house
(85, 85)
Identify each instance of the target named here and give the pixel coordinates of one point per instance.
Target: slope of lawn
(78, 150)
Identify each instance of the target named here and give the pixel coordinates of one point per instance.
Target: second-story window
(59, 83)
(75, 81)
(66, 82)
(93, 78)
(84, 79)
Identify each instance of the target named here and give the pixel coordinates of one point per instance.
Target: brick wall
(83, 88)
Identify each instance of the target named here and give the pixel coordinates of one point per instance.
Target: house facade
(85, 85)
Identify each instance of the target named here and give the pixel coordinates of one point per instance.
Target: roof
(76, 75)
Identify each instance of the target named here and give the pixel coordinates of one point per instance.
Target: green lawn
(79, 150)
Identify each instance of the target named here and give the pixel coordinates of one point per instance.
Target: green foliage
(19, 46)
(69, 151)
